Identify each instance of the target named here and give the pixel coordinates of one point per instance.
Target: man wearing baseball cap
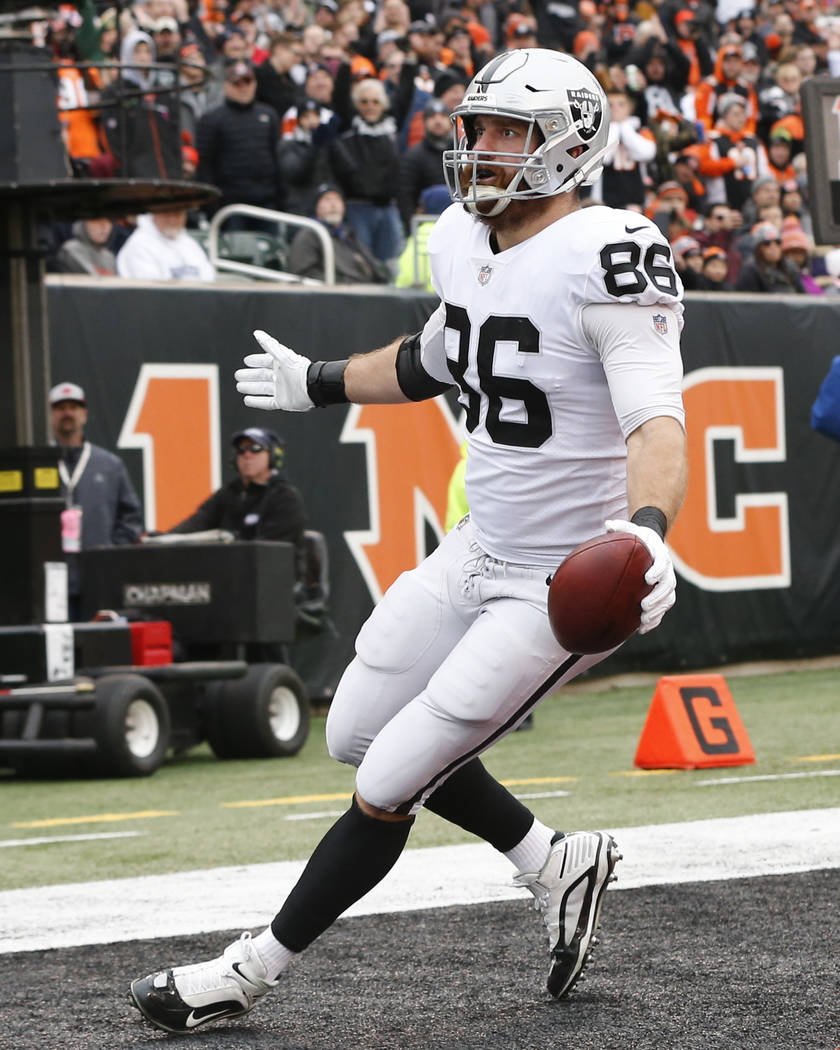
(101, 507)
(259, 503)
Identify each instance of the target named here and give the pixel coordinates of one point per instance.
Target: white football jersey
(549, 393)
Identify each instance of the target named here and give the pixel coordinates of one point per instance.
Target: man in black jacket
(275, 85)
(259, 503)
(236, 144)
(422, 165)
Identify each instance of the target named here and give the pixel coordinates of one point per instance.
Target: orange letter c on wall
(751, 549)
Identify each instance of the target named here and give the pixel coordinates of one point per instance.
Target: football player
(560, 326)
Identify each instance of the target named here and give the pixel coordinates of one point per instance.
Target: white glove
(661, 574)
(275, 379)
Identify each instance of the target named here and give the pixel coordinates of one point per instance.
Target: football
(593, 600)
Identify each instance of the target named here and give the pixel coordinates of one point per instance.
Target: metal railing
(281, 219)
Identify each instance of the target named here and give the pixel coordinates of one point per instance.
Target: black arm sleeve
(415, 382)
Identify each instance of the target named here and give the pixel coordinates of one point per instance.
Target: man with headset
(259, 503)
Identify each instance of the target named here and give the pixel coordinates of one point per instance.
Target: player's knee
(375, 788)
(343, 743)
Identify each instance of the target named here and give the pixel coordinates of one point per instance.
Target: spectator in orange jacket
(726, 80)
(776, 160)
(729, 160)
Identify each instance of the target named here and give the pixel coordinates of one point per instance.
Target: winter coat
(141, 125)
(420, 166)
(756, 278)
(366, 161)
(273, 511)
(354, 264)
(237, 150)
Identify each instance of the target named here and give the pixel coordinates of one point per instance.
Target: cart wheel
(264, 714)
(131, 726)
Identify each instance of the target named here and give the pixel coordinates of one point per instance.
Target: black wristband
(325, 383)
(653, 518)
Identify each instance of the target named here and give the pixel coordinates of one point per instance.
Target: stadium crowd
(276, 102)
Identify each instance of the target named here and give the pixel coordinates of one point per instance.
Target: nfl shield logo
(484, 274)
(660, 323)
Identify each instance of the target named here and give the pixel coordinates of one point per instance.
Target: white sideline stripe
(247, 897)
(770, 776)
(44, 840)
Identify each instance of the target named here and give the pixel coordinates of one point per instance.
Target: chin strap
(490, 194)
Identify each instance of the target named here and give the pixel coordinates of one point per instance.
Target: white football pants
(453, 658)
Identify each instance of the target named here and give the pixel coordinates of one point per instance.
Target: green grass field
(198, 812)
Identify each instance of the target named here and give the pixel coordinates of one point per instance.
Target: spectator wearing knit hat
(714, 268)
(765, 190)
(767, 270)
(775, 160)
(670, 211)
(796, 249)
(354, 264)
(725, 81)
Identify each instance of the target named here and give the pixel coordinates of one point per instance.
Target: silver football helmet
(565, 107)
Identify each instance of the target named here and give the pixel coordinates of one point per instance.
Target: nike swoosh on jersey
(634, 229)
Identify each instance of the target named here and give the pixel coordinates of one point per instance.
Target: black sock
(478, 803)
(355, 854)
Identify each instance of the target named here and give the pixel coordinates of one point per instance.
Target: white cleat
(182, 999)
(568, 892)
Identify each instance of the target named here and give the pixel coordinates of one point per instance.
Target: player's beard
(514, 213)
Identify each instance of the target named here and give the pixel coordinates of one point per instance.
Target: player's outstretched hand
(274, 379)
(660, 575)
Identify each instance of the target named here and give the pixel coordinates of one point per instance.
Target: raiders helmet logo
(586, 111)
